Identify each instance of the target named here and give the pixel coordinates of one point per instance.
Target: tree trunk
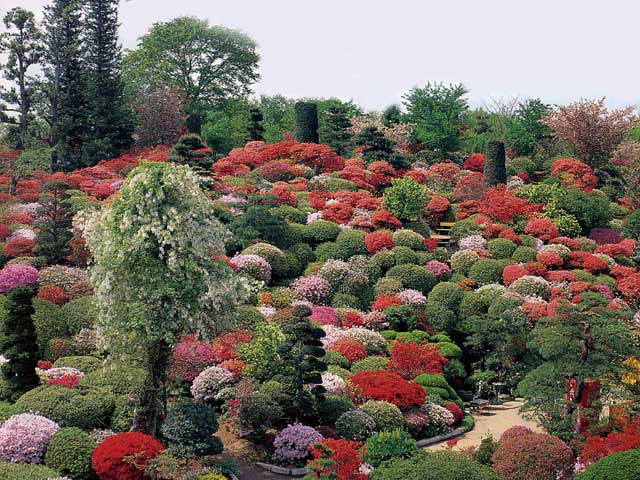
(152, 402)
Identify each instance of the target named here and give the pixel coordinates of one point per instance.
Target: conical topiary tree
(495, 170)
(306, 122)
(19, 345)
(255, 128)
(190, 150)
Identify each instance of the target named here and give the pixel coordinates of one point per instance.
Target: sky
(374, 51)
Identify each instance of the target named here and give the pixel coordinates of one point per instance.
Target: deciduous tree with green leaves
(155, 271)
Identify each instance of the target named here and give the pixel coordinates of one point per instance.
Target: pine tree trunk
(152, 401)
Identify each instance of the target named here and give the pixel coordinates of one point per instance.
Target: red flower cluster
(337, 212)
(124, 456)
(19, 247)
(376, 241)
(456, 411)
(410, 359)
(573, 172)
(385, 301)
(503, 205)
(475, 162)
(542, 228)
(623, 248)
(344, 460)
(384, 219)
(52, 293)
(351, 349)
(283, 194)
(597, 447)
(387, 386)
(189, 358)
(66, 380)
(224, 347)
(550, 259)
(511, 273)
(630, 287)
(469, 187)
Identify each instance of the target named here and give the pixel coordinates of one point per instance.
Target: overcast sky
(373, 51)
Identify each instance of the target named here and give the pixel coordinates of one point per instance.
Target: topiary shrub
(351, 242)
(78, 314)
(388, 445)
(189, 428)
(331, 357)
(619, 466)
(331, 408)
(524, 254)
(501, 248)
(355, 425)
(85, 408)
(439, 465)
(495, 171)
(408, 238)
(486, 271)
(447, 294)
(257, 412)
(406, 198)
(48, 324)
(401, 318)
(402, 255)
(22, 471)
(111, 458)
(414, 277)
(84, 363)
(370, 363)
(320, 231)
(306, 122)
(385, 415)
(69, 453)
(463, 260)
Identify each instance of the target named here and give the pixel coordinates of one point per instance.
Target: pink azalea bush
(17, 275)
(24, 438)
(189, 358)
(253, 265)
(293, 442)
(439, 269)
(324, 316)
(314, 289)
(210, 382)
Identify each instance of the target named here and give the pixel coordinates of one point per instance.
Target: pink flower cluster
(411, 297)
(294, 441)
(324, 316)
(189, 358)
(17, 275)
(253, 265)
(439, 269)
(24, 438)
(314, 289)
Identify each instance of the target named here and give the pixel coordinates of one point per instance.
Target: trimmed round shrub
(532, 286)
(117, 378)
(314, 289)
(385, 415)
(78, 314)
(524, 254)
(408, 238)
(331, 357)
(388, 445)
(6, 410)
(532, 456)
(387, 286)
(501, 248)
(403, 255)
(48, 324)
(619, 466)
(276, 257)
(257, 412)
(84, 363)
(351, 242)
(110, 458)
(189, 428)
(210, 382)
(69, 453)
(463, 260)
(413, 277)
(22, 471)
(486, 271)
(328, 251)
(320, 231)
(355, 425)
(375, 362)
(253, 266)
(331, 408)
(69, 407)
(439, 465)
(447, 294)
(449, 350)
(401, 318)
(293, 442)
(12, 276)
(24, 438)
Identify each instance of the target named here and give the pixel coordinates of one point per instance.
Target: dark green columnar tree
(190, 150)
(256, 130)
(54, 223)
(306, 122)
(335, 131)
(109, 120)
(64, 74)
(303, 352)
(376, 145)
(21, 43)
(495, 170)
(19, 344)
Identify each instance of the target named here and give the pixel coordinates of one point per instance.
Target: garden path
(244, 454)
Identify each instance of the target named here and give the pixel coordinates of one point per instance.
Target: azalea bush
(24, 438)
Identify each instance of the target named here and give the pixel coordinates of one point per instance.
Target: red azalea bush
(385, 301)
(52, 293)
(66, 380)
(436, 207)
(376, 241)
(189, 358)
(532, 456)
(542, 228)
(351, 349)
(44, 364)
(283, 194)
(352, 319)
(469, 187)
(511, 273)
(324, 315)
(411, 360)
(623, 248)
(384, 219)
(19, 247)
(337, 212)
(620, 271)
(387, 386)
(124, 456)
(503, 205)
(597, 447)
(593, 264)
(336, 458)
(224, 346)
(604, 235)
(550, 259)
(630, 287)
(573, 172)
(381, 173)
(475, 162)
(236, 367)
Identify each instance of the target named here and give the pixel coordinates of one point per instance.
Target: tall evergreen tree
(335, 131)
(22, 45)
(109, 120)
(256, 130)
(19, 344)
(54, 223)
(64, 82)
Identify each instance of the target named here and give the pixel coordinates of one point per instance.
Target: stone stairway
(442, 234)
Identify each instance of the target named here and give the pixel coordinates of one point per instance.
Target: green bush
(386, 416)
(388, 445)
(447, 294)
(403, 255)
(462, 261)
(568, 225)
(287, 212)
(467, 423)
(524, 254)
(341, 372)
(69, 453)
(623, 465)
(321, 231)
(276, 258)
(374, 362)
(78, 314)
(277, 391)
(414, 277)
(450, 350)
(521, 165)
(85, 408)
(440, 392)
(387, 286)
(25, 471)
(405, 198)
(189, 428)
(464, 228)
(441, 318)
(120, 379)
(487, 271)
(408, 238)
(48, 323)
(631, 227)
(355, 425)
(439, 465)
(331, 357)
(248, 317)
(401, 318)
(6, 410)
(501, 248)
(486, 449)
(329, 251)
(345, 300)
(331, 408)
(84, 363)
(591, 209)
(257, 412)
(123, 413)
(415, 336)
(351, 242)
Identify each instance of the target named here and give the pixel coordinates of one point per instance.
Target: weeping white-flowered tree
(156, 272)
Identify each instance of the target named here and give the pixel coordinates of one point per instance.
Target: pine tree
(190, 150)
(109, 120)
(377, 146)
(335, 131)
(55, 215)
(64, 82)
(256, 130)
(19, 344)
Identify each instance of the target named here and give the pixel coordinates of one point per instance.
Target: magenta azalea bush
(189, 358)
(411, 297)
(324, 316)
(24, 438)
(210, 382)
(293, 442)
(439, 269)
(17, 275)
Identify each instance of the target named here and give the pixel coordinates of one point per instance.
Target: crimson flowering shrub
(24, 438)
(384, 219)
(542, 228)
(19, 247)
(387, 386)
(604, 235)
(597, 447)
(337, 212)
(324, 316)
(624, 248)
(456, 411)
(573, 172)
(503, 205)
(532, 456)
(51, 293)
(66, 380)
(189, 358)
(550, 259)
(225, 346)
(469, 188)
(336, 458)
(620, 271)
(381, 173)
(410, 359)
(475, 162)
(630, 287)
(351, 349)
(283, 194)
(385, 301)
(377, 241)
(12, 276)
(436, 207)
(124, 456)
(511, 273)
(352, 319)
(236, 367)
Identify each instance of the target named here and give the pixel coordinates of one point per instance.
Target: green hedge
(69, 453)
(618, 466)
